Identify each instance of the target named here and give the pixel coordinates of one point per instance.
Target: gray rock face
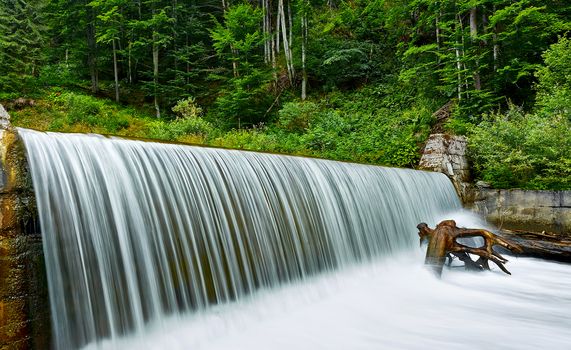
(447, 154)
(4, 118)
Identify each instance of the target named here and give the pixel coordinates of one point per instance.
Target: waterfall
(136, 231)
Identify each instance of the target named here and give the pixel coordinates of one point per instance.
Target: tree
(21, 41)
(111, 20)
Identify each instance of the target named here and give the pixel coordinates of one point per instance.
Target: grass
(360, 126)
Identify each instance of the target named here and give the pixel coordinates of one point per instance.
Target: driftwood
(442, 244)
(548, 246)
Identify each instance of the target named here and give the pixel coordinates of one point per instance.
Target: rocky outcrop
(447, 154)
(24, 308)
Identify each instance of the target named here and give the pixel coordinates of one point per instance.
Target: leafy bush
(554, 85)
(297, 116)
(92, 111)
(518, 150)
(187, 108)
(174, 130)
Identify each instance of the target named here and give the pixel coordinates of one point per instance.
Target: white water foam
(394, 303)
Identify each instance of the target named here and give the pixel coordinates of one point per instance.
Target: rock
(24, 307)
(447, 154)
(483, 184)
(4, 118)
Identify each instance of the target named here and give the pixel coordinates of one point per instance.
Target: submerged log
(548, 246)
(442, 244)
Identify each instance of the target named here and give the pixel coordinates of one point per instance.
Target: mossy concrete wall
(24, 306)
(525, 210)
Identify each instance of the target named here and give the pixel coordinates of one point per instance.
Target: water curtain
(137, 231)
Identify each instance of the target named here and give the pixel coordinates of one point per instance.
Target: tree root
(442, 244)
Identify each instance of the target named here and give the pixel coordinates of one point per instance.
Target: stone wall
(525, 210)
(447, 154)
(24, 307)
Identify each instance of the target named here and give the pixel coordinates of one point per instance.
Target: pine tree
(21, 42)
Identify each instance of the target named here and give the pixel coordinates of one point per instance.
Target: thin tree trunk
(92, 52)
(115, 72)
(437, 31)
(287, 51)
(129, 63)
(273, 44)
(265, 31)
(174, 32)
(473, 23)
(156, 76)
(290, 23)
(304, 32)
(278, 22)
(474, 37)
(463, 53)
(458, 63)
(496, 48)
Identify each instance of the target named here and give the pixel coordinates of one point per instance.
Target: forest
(350, 80)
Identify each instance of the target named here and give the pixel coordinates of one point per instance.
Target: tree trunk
(156, 76)
(129, 66)
(473, 23)
(290, 23)
(278, 33)
(474, 37)
(115, 72)
(304, 32)
(287, 50)
(496, 48)
(92, 53)
(266, 32)
(549, 246)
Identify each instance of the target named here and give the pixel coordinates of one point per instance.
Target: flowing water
(163, 246)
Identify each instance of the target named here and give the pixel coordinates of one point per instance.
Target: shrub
(521, 150)
(174, 130)
(297, 116)
(187, 108)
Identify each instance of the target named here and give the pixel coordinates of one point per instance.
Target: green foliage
(297, 116)
(244, 101)
(522, 150)
(21, 43)
(240, 34)
(554, 80)
(175, 130)
(374, 71)
(91, 111)
(187, 108)
(188, 122)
